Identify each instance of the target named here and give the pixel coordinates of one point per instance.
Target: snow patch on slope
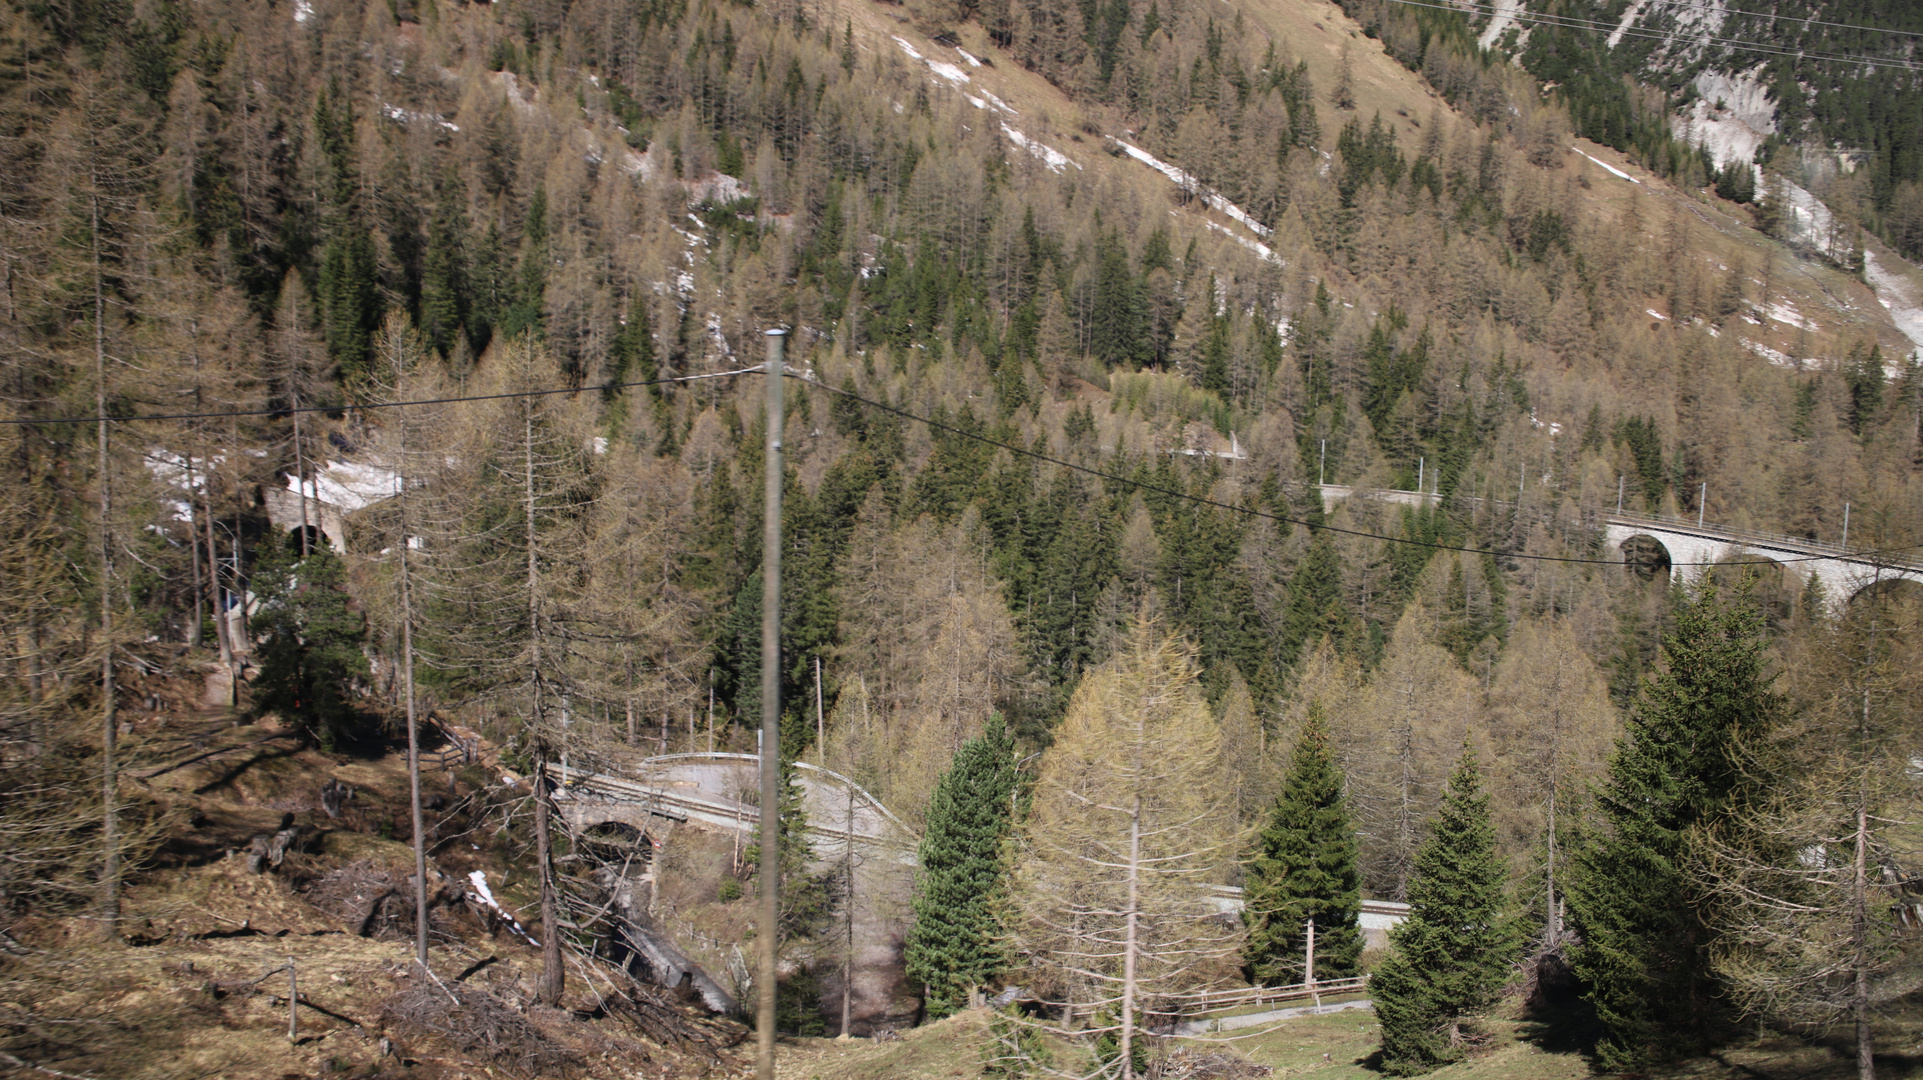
(349, 485)
(478, 878)
(1787, 313)
(1629, 19)
(1780, 359)
(413, 116)
(1051, 157)
(1810, 222)
(1214, 201)
(1899, 296)
(183, 474)
(957, 77)
(1256, 246)
(1611, 169)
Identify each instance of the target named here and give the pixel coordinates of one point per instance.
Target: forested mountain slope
(1152, 270)
(1824, 95)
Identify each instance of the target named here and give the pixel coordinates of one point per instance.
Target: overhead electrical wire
(1735, 44)
(940, 426)
(1790, 18)
(290, 410)
(1487, 7)
(1279, 518)
(1572, 22)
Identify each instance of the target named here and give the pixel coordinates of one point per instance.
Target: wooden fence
(1216, 1001)
(1166, 1012)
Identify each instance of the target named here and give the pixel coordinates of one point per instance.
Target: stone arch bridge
(644, 801)
(1660, 543)
(720, 791)
(1844, 573)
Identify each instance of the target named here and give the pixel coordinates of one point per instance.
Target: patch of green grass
(1339, 1046)
(1296, 1047)
(1531, 1049)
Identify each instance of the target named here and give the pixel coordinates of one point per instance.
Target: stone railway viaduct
(1662, 543)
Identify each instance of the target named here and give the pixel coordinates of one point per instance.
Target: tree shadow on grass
(240, 768)
(1555, 1018)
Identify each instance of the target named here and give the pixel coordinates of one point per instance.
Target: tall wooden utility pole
(848, 963)
(770, 719)
(413, 723)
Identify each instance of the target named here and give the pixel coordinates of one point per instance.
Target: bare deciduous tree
(1110, 892)
(1808, 881)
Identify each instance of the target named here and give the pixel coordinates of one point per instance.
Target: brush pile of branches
(482, 1023)
(1191, 1063)
(370, 900)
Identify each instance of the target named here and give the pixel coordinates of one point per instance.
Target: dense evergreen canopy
(1640, 913)
(1304, 868)
(1452, 955)
(953, 947)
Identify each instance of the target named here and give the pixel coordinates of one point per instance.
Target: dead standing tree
(503, 577)
(413, 447)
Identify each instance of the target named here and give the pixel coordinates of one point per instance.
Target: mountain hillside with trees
(377, 369)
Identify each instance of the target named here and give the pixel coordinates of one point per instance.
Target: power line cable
(1672, 36)
(1578, 22)
(1805, 21)
(1667, 36)
(287, 411)
(1790, 18)
(940, 426)
(1278, 518)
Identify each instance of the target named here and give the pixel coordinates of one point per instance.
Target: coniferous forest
(366, 366)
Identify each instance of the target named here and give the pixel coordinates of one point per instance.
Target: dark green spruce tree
(1315, 606)
(1304, 868)
(1644, 934)
(807, 902)
(951, 948)
(309, 643)
(1453, 953)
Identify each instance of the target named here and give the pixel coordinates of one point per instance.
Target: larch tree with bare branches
(1128, 830)
(1808, 882)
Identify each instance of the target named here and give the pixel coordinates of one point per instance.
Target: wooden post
(848, 964)
(293, 1003)
(1308, 966)
(770, 870)
(1129, 939)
